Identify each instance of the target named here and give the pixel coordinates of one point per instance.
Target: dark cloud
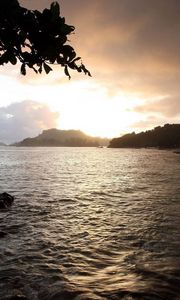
(130, 45)
(25, 119)
(139, 36)
(141, 45)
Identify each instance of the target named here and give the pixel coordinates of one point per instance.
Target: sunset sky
(131, 47)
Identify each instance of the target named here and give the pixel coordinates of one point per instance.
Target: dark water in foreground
(90, 224)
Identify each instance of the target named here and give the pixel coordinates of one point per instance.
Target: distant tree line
(167, 136)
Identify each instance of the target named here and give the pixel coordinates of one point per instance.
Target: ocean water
(90, 224)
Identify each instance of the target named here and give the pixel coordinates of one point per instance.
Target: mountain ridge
(62, 138)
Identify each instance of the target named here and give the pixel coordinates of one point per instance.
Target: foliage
(36, 39)
(167, 136)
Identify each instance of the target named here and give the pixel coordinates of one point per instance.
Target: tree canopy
(167, 136)
(36, 39)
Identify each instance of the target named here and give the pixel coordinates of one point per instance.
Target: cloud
(157, 112)
(134, 44)
(130, 46)
(168, 107)
(147, 123)
(25, 119)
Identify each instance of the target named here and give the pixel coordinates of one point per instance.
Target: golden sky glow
(81, 104)
(132, 50)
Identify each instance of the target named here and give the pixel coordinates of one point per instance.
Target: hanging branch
(36, 39)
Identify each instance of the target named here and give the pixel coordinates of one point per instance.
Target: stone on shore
(6, 200)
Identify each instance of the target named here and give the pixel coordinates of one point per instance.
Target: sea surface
(90, 224)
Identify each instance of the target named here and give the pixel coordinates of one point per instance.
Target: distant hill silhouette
(62, 138)
(2, 144)
(167, 136)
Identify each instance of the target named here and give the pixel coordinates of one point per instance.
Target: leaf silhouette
(55, 10)
(66, 71)
(23, 69)
(36, 39)
(47, 68)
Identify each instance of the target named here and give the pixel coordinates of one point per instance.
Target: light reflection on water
(90, 223)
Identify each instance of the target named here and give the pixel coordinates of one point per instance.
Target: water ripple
(90, 224)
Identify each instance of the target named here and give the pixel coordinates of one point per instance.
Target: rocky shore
(6, 200)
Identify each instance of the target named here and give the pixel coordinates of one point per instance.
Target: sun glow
(85, 104)
(89, 108)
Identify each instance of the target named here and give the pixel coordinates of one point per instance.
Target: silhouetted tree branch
(36, 39)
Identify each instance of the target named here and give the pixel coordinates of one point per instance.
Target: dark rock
(6, 200)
